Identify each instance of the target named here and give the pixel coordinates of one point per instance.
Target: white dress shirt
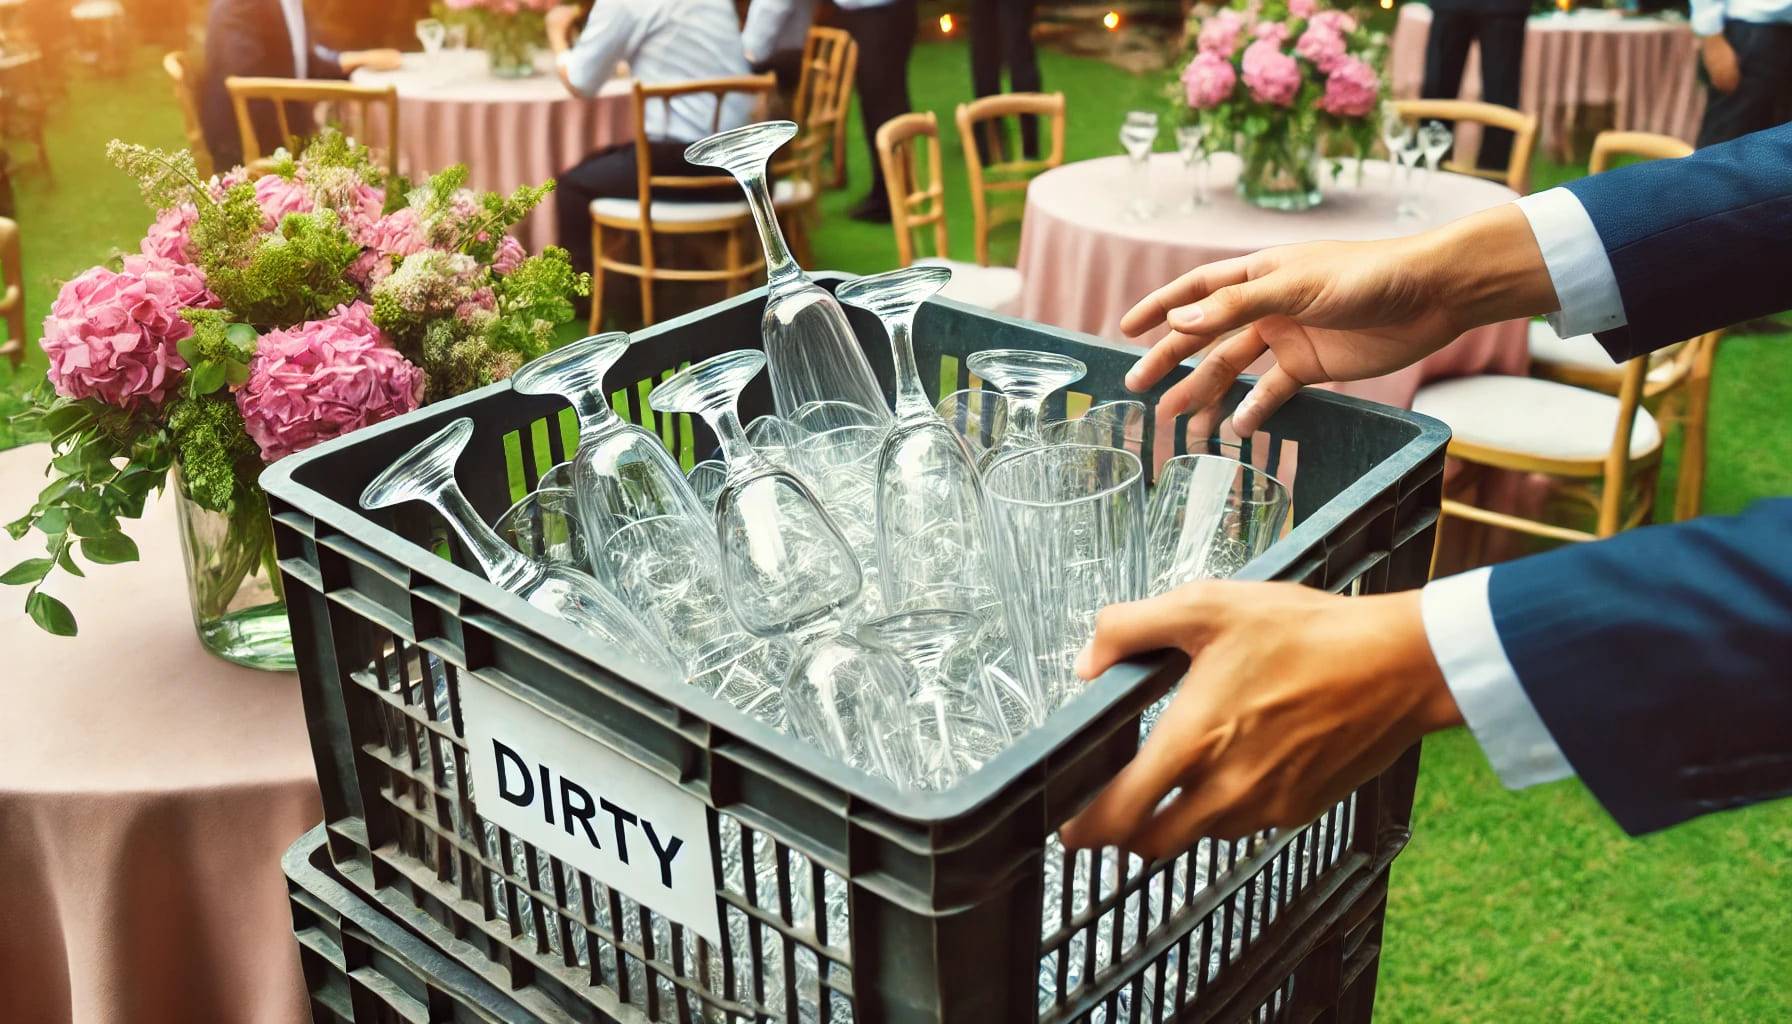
(664, 42)
(1458, 616)
(776, 26)
(1708, 16)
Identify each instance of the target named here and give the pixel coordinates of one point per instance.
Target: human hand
(1293, 698)
(1335, 311)
(559, 22)
(1721, 64)
(374, 60)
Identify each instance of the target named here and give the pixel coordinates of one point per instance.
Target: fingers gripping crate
(837, 897)
(361, 967)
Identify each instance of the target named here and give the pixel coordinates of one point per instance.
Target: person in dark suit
(885, 31)
(1498, 25)
(1745, 50)
(267, 38)
(1002, 39)
(1656, 665)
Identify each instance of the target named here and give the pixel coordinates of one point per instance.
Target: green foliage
(296, 273)
(533, 300)
(218, 459)
(218, 351)
(165, 178)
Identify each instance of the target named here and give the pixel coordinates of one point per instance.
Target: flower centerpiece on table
(1275, 79)
(509, 30)
(259, 318)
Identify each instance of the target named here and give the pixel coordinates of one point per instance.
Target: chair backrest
(1523, 126)
(12, 300)
(760, 87)
(183, 70)
(350, 106)
(917, 198)
(823, 94)
(1008, 179)
(1608, 146)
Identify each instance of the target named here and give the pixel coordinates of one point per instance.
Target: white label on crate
(590, 806)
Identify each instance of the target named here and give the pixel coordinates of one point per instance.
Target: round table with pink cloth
(508, 131)
(147, 792)
(1084, 263)
(1644, 68)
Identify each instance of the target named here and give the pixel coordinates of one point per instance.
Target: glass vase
(510, 46)
(239, 605)
(1279, 172)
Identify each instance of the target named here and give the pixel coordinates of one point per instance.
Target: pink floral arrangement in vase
(1273, 80)
(256, 319)
(510, 31)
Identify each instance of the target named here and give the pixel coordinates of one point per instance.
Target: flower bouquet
(260, 318)
(509, 30)
(1274, 79)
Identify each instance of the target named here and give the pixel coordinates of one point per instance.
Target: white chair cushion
(685, 211)
(993, 288)
(1533, 417)
(1582, 351)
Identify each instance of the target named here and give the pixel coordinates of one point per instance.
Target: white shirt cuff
(1459, 626)
(1578, 266)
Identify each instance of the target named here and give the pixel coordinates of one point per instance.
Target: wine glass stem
(594, 413)
(736, 449)
(1024, 415)
(911, 398)
(502, 563)
(778, 263)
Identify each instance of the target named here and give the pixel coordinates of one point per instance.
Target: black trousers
(610, 174)
(1501, 35)
(1002, 40)
(886, 37)
(1763, 98)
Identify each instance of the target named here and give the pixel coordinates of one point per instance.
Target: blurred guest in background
(1746, 48)
(774, 36)
(885, 31)
(1498, 25)
(268, 38)
(1002, 39)
(662, 42)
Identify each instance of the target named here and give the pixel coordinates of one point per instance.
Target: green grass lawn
(1506, 907)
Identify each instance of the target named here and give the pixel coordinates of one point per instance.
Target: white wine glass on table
(1191, 145)
(1435, 139)
(1138, 135)
(432, 34)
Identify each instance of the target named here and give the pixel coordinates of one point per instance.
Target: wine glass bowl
(1138, 135)
(979, 415)
(432, 34)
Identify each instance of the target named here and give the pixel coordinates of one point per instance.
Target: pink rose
(1322, 46)
(1336, 21)
(1219, 34)
(323, 379)
(1208, 80)
(1271, 75)
(171, 236)
(1271, 32)
(1302, 8)
(279, 197)
(510, 255)
(112, 336)
(1351, 90)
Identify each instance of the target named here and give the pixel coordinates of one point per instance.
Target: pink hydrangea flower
(279, 197)
(171, 236)
(1271, 75)
(480, 300)
(1219, 34)
(1302, 8)
(323, 379)
(1270, 31)
(396, 235)
(1351, 90)
(509, 256)
(112, 335)
(1208, 80)
(1322, 46)
(1336, 21)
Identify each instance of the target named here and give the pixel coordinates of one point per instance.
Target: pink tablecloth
(1645, 69)
(1084, 264)
(147, 791)
(508, 131)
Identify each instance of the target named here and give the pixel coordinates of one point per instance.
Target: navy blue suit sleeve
(1697, 243)
(1661, 661)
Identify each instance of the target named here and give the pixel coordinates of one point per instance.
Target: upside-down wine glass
(544, 526)
(933, 537)
(432, 34)
(1138, 134)
(1028, 378)
(1397, 135)
(1191, 145)
(954, 724)
(811, 350)
(979, 415)
(426, 474)
(1435, 139)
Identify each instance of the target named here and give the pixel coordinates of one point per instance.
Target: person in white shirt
(774, 35)
(1746, 49)
(1656, 665)
(661, 42)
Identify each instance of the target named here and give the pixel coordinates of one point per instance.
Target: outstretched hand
(1336, 311)
(1293, 698)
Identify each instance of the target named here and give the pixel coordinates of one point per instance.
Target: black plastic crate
(361, 966)
(939, 906)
